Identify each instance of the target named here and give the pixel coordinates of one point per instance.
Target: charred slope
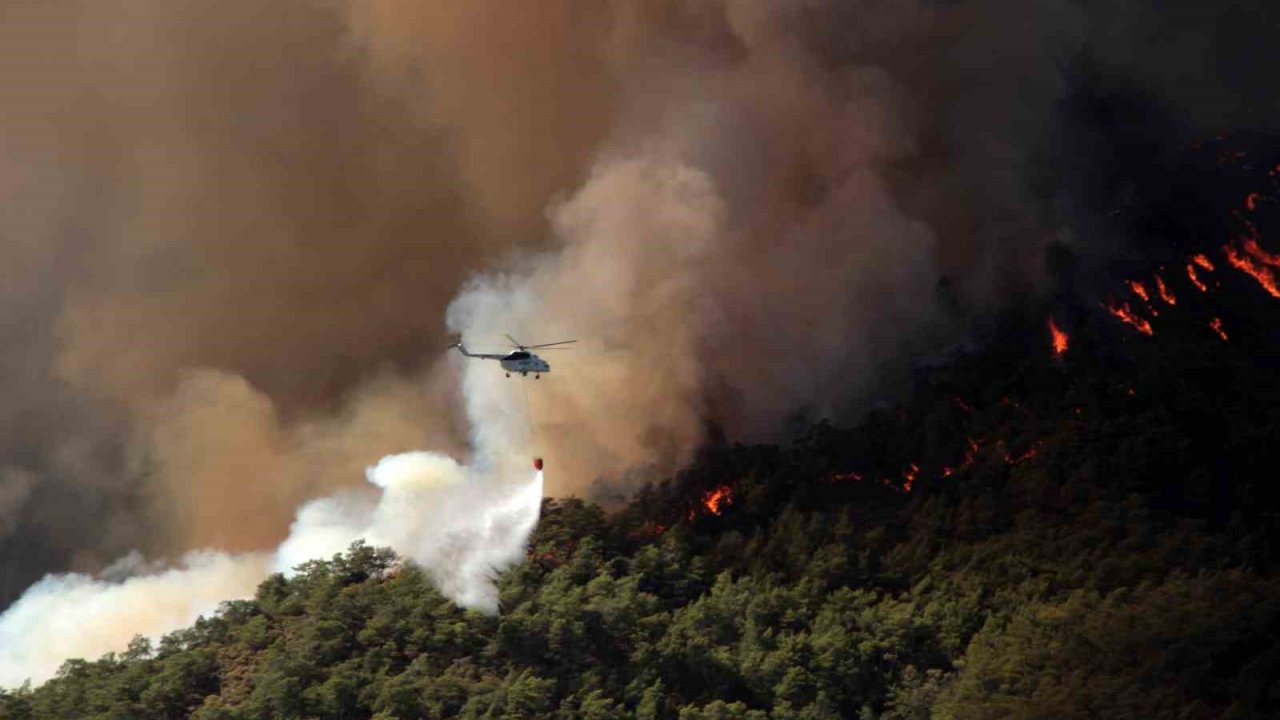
(1071, 521)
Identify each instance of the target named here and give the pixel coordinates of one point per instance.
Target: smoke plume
(461, 523)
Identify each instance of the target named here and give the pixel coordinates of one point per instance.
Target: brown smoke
(521, 89)
(231, 231)
(738, 249)
(207, 185)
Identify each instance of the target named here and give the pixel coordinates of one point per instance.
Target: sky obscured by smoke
(232, 232)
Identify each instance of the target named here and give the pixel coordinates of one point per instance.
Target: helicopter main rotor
(545, 346)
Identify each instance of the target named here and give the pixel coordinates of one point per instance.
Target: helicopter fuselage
(517, 361)
(524, 362)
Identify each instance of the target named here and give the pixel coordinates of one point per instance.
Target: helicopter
(519, 360)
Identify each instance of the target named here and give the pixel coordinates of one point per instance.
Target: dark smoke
(231, 230)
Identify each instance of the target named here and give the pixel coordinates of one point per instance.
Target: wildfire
(1257, 271)
(909, 476)
(1195, 279)
(1012, 459)
(713, 500)
(1251, 201)
(1140, 290)
(650, 529)
(1251, 246)
(1202, 261)
(1165, 294)
(1126, 314)
(1059, 338)
(1216, 324)
(966, 462)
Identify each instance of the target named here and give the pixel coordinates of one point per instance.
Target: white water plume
(462, 523)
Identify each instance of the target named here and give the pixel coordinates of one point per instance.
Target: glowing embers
(1216, 324)
(1140, 290)
(1195, 277)
(909, 477)
(965, 462)
(1165, 294)
(1247, 256)
(1254, 250)
(1203, 263)
(648, 531)
(1126, 314)
(1012, 459)
(1059, 338)
(1254, 265)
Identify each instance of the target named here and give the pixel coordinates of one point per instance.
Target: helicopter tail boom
(484, 356)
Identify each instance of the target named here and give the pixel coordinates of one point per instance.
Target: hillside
(1031, 533)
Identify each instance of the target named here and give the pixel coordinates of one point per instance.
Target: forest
(1071, 517)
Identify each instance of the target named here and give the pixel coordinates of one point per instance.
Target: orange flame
(1195, 279)
(1140, 290)
(909, 477)
(1251, 201)
(1216, 324)
(1202, 261)
(713, 499)
(1165, 294)
(1126, 314)
(1258, 272)
(1251, 246)
(966, 462)
(1060, 338)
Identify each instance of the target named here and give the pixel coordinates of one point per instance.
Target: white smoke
(73, 615)
(463, 523)
(459, 526)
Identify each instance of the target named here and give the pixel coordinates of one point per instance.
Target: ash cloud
(231, 231)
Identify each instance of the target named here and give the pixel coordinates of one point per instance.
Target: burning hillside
(1007, 248)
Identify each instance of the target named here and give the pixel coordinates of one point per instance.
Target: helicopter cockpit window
(518, 356)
